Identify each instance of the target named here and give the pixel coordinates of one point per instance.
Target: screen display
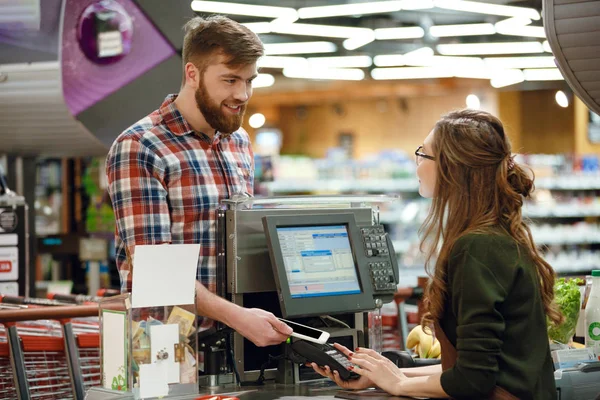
(318, 260)
(303, 329)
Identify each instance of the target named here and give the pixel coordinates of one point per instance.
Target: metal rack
(48, 353)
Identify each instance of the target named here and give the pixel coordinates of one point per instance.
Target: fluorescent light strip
(520, 62)
(490, 48)
(445, 61)
(519, 26)
(321, 30)
(299, 48)
(325, 73)
(487, 8)
(543, 74)
(354, 43)
(389, 60)
(546, 46)
(411, 32)
(410, 73)
(243, 9)
(507, 78)
(420, 52)
(417, 4)
(263, 80)
(259, 27)
(462, 30)
(281, 62)
(340, 62)
(349, 9)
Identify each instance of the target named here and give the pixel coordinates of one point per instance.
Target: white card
(163, 338)
(9, 263)
(114, 358)
(9, 288)
(9, 239)
(153, 382)
(164, 275)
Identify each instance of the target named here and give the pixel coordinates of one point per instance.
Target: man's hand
(260, 327)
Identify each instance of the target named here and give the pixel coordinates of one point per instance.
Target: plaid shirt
(166, 182)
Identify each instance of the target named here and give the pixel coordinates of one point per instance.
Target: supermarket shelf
(562, 211)
(401, 246)
(340, 185)
(571, 182)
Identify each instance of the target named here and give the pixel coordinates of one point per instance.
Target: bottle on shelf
(592, 315)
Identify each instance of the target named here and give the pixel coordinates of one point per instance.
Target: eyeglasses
(419, 153)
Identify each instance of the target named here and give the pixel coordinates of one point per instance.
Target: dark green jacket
(494, 316)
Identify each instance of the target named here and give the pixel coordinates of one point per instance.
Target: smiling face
(426, 169)
(223, 94)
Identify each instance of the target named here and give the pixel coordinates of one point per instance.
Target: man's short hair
(205, 37)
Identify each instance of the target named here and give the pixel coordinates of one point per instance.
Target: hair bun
(521, 180)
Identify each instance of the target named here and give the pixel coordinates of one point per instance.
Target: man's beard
(214, 116)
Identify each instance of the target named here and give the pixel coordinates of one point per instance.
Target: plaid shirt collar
(178, 125)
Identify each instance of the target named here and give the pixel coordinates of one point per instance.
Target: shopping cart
(43, 352)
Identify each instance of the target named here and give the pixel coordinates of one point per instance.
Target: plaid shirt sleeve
(139, 197)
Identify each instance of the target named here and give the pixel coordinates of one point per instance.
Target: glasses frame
(419, 153)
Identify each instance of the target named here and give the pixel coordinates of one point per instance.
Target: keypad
(375, 241)
(376, 249)
(382, 275)
(339, 357)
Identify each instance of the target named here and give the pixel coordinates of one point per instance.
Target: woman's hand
(378, 369)
(354, 384)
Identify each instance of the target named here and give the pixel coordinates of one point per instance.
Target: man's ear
(191, 75)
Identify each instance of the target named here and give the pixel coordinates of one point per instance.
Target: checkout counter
(324, 262)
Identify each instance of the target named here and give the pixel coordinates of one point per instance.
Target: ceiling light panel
(375, 7)
(417, 4)
(410, 73)
(321, 30)
(464, 49)
(340, 62)
(520, 62)
(299, 48)
(411, 32)
(280, 62)
(462, 30)
(244, 9)
(487, 8)
(348, 74)
(543, 74)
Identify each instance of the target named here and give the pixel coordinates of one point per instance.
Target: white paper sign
(9, 263)
(9, 239)
(163, 338)
(153, 381)
(164, 274)
(114, 358)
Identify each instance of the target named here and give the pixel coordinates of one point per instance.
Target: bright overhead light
(280, 61)
(256, 120)
(388, 60)
(520, 62)
(320, 30)
(487, 8)
(244, 9)
(507, 77)
(354, 43)
(410, 73)
(543, 74)
(462, 30)
(340, 62)
(263, 80)
(299, 48)
(349, 9)
(420, 52)
(490, 48)
(473, 102)
(562, 99)
(348, 74)
(259, 27)
(546, 46)
(519, 26)
(411, 32)
(417, 4)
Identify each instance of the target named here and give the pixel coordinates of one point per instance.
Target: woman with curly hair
(490, 290)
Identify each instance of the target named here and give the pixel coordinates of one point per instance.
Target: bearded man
(169, 171)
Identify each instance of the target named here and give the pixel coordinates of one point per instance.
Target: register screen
(318, 260)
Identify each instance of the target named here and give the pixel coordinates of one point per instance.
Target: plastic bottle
(592, 315)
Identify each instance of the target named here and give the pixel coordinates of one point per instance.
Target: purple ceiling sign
(105, 45)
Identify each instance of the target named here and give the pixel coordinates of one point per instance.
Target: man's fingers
(280, 326)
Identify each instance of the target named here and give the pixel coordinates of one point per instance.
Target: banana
(423, 343)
